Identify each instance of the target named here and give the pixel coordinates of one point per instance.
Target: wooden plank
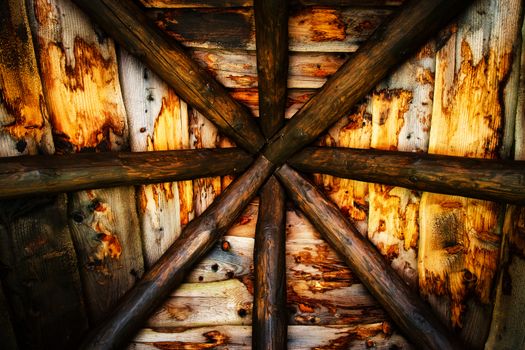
(195, 240)
(509, 310)
(247, 3)
(460, 238)
(374, 336)
(126, 23)
(38, 262)
(78, 64)
(35, 175)
(407, 310)
(388, 47)
(237, 69)
(158, 121)
(7, 332)
(311, 29)
(497, 180)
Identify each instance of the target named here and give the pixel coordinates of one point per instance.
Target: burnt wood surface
(496, 180)
(167, 273)
(390, 45)
(34, 175)
(271, 30)
(411, 314)
(125, 22)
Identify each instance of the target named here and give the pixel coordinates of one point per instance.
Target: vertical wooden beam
(269, 325)
(410, 313)
(168, 272)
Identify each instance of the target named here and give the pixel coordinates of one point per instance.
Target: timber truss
(274, 151)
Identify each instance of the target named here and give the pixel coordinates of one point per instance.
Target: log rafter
(376, 58)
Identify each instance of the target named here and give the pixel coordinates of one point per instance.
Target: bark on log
(495, 180)
(389, 46)
(127, 24)
(409, 312)
(35, 175)
(196, 239)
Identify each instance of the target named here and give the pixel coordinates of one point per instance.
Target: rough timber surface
(158, 121)
(78, 64)
(460, 238)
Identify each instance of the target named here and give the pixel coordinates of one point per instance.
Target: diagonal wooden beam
(37, 175)
(495, 180)
(128, 25)
(389, 46)
(410, 313)
(269, 323)
(168, 272)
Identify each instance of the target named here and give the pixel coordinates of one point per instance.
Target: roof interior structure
(77, 254)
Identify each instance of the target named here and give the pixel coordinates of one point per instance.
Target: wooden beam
(167, 273)
(127, 24)
(271, 29)
(247, 3)
(495, 180)
(269, 322)
(389, 46)
(37, 175)
(410, 313)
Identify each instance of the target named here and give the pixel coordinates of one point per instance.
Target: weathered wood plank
(509, 304)
(388, 47)
(79, 65)
(374, 336)
(247, 3)
(496, 180)
(168, 272)
(158, 121)
(311, 29)
(407, 310)
(34, 175)
(237, 69)
(460, 238)
(401, 110)
(126, 23)
(39, 272)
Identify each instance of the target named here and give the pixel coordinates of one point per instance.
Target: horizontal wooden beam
(390, 45)
(411, 314)
(246, 3)
(37, 175)
(167, 273)
(495, 180)
(125, 22)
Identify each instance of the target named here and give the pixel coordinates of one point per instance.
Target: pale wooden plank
(401, 114)
(82, 90)
(158, 121)
(460, 238)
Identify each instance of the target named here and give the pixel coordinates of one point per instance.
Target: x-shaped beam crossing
(389, 46)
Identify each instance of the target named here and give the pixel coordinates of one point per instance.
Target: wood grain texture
(247, 3)
(79, 65)
(168, 272)
(388, 47)
(158, 121)
(460, 238)
(509, 311)
(410, 313)
(311, 29)
(34, 175)
(497, 180)
(125, 22)
(301, 337)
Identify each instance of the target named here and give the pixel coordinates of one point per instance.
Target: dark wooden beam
(125, 22)
(37, 175)
(269, 326)
(390, 45)
(495, 180)
(269, 322)
(271, 32)
(411, 314)
(167, 273)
